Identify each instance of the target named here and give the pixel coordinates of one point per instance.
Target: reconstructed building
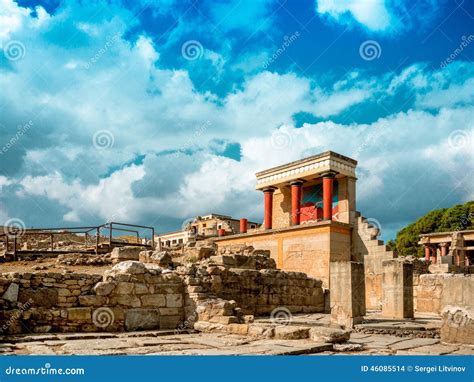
(449, 251)
(310, 222)
(205, 227)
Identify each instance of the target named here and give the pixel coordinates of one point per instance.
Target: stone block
(104, 288)
(397, 291)
(332, 335)
(142, 319)
(174, 300)
(92, 300)
(11, 294)
(125, 253)
(170, 322)
(79, 314)
(156, 300)
(347, 293)
(291, 332)
(457, 325)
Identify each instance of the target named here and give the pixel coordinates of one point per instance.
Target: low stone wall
(436, 291)
(136, 296)
(128, 297)
(451, 296)
(254, 292)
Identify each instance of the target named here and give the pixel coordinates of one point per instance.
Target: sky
(152, 112)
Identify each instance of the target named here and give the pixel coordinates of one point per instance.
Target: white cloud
(373, 14)
(379, 16)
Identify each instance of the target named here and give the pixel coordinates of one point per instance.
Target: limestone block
(170, 322)
(11, 294)
(128, 267)
(92, 300)
(291, 332)
(457, 325)
(347, 293)
(174, 300)
(332, 335)
(79, 314)
(125, 253)
(124, 288)
(156, 300)
(104, 288)
(397, 291)
(142, 319)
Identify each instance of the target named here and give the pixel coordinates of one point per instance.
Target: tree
(457, 218)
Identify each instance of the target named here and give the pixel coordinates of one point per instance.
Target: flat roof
(307, 159)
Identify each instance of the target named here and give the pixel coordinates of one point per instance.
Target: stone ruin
(206, 288)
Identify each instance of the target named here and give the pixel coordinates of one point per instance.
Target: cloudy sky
(152, 112)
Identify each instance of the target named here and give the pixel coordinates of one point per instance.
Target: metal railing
(94, 239)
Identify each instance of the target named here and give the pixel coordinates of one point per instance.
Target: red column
(433, 255)
(328, 180)
(243, 225)
(221, 232)
(295, 202)
(427, 252)
(444, 247)
(268, 206)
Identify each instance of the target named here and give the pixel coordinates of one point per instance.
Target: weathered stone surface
(291, 332)
(397, 291)
(11, 294)
(161, 258)
(156, 300)
(92, 300)
(142, 319)
(79, 314)
(129, 267)
(457, 325)
(104, 288)
(125, 253)
(331, 335)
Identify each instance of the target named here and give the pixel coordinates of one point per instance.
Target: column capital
(269, 189)
(297, 182)
(329, 174)
(445, 244)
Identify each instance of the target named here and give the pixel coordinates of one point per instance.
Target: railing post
(14, 248)
(97, 241)
(153, 238)
(110, 235)
(52, 243)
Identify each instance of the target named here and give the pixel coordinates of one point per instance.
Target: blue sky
(153, 112)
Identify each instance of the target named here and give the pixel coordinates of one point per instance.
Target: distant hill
(457, 218)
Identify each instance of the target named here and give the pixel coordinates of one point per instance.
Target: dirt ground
(50, 265)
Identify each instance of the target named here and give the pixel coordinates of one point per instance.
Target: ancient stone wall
(436, 291)
(128, 297)
(451, 296)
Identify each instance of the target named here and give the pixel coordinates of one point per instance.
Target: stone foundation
(226, 289)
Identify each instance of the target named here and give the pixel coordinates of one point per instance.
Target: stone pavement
(170, 343)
